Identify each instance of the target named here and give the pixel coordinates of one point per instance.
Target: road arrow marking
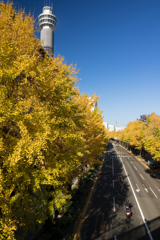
(120, 179)
(145, 188)
(138, 190)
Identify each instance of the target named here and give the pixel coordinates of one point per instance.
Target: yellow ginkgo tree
(47, 128)
(137, 136)
(152, 136)
(89, 122)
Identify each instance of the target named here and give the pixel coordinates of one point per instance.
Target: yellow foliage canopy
(152, 135)
(144, 135)
(47, 129)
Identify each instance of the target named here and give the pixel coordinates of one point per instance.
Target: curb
(81, 219)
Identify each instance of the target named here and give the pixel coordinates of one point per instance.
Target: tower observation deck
(47, 24)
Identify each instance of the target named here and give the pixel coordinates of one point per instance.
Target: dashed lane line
(143, 218)
(153, 192)
(157, 188)
(142, 176)
(136, 158)
(114, 208)
(112, 167)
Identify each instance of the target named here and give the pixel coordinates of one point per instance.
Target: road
(122, 177)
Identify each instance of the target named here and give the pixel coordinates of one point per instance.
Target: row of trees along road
(143, 134)
(48, 130)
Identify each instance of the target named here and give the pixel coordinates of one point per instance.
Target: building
(119, 128)
(94, 106)
(105, 124)
(47, 24)
(111, 128)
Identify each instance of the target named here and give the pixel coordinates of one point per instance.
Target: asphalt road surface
(122, 177)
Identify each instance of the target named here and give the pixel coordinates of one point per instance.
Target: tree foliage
(143, 134)
(134, 134)
(152, 135)
(143, 118)
(48, 130)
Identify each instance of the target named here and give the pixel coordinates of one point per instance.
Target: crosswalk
(121, 155)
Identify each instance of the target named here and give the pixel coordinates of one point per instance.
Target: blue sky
(116, 46)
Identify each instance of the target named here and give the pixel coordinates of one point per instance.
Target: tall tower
(47, 23)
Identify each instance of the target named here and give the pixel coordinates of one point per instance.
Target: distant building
(111, 128)
(94, 106)
(105, 124)
(47, 24)
(119, 128)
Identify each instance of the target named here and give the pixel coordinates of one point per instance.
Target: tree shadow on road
(154, 174)
(102, 207)
(140, 233)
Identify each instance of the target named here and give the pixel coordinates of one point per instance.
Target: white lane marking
(114, 209)
(115, 238)
(142, 177)
(112, 166)
(138, 190)
(113, 183)
(153, 192)
(135, 167)
(143, 218)
(131, 162)
(157, 188)
(145, 188)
